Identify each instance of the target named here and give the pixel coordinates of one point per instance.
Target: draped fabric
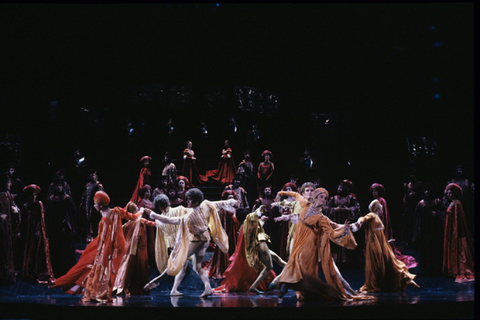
(36, 254)
(458, 252)
(313, 234)
(253, 235)
(165, 237)
(190, 170)
(150, 230)
(239, 276)
(95, 272)
(226, 169)
(195, 226)
(220, 261)
(383, 271)
(133, 273)
(143, 179)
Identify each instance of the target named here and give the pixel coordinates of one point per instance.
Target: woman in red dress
(189, 169)
(143, 178)
(226, 168)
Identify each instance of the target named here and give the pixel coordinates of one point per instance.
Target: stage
(437, 298)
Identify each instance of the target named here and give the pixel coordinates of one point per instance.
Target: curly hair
(161, 201)
(195, 195)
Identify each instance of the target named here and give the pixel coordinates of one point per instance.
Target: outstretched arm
(164, 219)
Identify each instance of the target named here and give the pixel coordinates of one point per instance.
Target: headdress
(32, 188)
(456, 190)
(102, 198)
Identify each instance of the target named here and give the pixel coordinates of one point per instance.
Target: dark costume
(36, 254)
(264, 176)
(429, 226)
(88, 218)
(7, 268)
(150, 231)
(59, 218)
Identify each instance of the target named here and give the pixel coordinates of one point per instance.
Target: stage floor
(437, 298)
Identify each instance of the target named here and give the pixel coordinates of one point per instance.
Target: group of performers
(166, 226)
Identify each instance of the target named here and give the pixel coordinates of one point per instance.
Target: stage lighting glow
(436, 96)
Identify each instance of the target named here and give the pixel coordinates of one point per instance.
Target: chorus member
(88, 218)
(145, 193)
(284, 224)
(36, 254)
(226, 168)
(265, 172)
(240, 193)
(144, 178)
(169, 170)
(458, 254)
(189, 169)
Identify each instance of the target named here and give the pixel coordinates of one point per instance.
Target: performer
(182, 183)
(169, 170)
(240, 193)
(383, 271)
(308, 166)
(8, 213)
(189, 169)
(166, 233)
(343, 207)
(193, 238)
(293, 206)
(284, 224)
(378, 191)
(413, 194)
(59, 175)
(220, 261)
(468, 192)
(175, 200)
(226, 168)
(60, 215)
(144, 178)
(88, 218)
(239, 276)
(36, 254)
(429, 226)
(271, 228)
(313, 234)
(95, 272)
(259, 256)
(132, 273)
(247, 170)
(458, 252)
(145, 194)
(265, 173)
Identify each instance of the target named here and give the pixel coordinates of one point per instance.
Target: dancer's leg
(266, 259)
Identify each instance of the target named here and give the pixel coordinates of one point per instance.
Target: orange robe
(97, 267)
(383, 271)
(312, 241)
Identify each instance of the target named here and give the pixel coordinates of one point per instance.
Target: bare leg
(178, 279)
(266, 259)
(202, 273)
(276, 258)
(155, 282)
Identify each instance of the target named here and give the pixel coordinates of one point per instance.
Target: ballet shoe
(272, 286)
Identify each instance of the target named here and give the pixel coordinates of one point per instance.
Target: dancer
(271, 228)
(383, 271)
(36, 254)
(311, 244)
(144, 178)
(226, 168)
(458, 254)
(132, 274)
(146, 202)
(284, 224)
(193, 238)
(291, 203)
(239, 276)
(378, 191)
(95, 272)
(259, 256)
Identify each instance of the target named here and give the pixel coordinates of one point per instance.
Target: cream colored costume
(197, 225)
